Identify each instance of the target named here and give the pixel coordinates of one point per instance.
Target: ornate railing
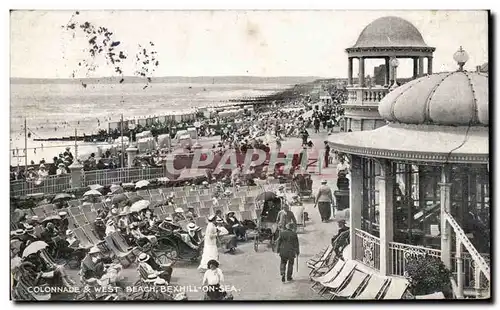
(401, 253)
(49, 185)
(366, 95)
(367, 249)
(107, 177)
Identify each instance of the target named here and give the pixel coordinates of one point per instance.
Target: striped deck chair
(250, 199)
(164, 216)
(323, 267)
(81, 220)
(396, 289)
(39, 212)
(74, 203)
(158, 212)
(354, 283)
(89, 231)
(120, 242)
(330, 275)
(74, 211)
(340, 279)
(125, 258)
(82, 237)
(204, 212)
(373, 289)
(236, 201)
(183, 206)
(49, 209)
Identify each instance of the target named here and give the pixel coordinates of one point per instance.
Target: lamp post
(131, 127)
(394, 64)
(461, 57)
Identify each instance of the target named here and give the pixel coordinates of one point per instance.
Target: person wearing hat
(234, 226)
(337, 243)
(229, 241)
(194, 233)
(284, 217)
(140, 238)
(110, 227)
(324, 201)
(210, 250)
(73, 242)
(64, 223)
(150, 268)
(100, 228)
(42, 172)
(61, 169)
(190, 214)
(287, 248)
(29, 235)
(93, 264)
(213, 279)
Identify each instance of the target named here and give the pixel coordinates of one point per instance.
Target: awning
(427, 143)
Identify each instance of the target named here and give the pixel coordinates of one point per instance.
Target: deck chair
(39, 212)
(223, 202)
(120, 242)
(338, 281)
(168, 209)
(323, 266)
(131, 194)
(196, 205)
(180, 194)
(201, 222)
(374, 287)
(179, 200)
(190, 199)
(82, 237)
(143, 193)
(157, 198)
(203, 212)
(89, 231)
(154, 191)
(91, 216)
(330, 275)
(233, 207)
(396, 289)
(125, 258)
(236, 201)
(81, 220)
(158, 211)
(87, 208)
(215, 209)
(245, 215)
(205, 197)
(438, 295)
(240, 193)
(355, 282)
(207, 203)
(178, 189)
(49, 209)
(183, 224)
(74, 211)
(322, 257)
(72, 223)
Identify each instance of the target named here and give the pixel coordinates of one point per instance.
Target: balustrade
(367, 249)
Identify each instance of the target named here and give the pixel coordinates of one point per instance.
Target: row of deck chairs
(336, 278)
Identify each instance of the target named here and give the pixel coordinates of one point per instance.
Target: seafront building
(388, 38)
(420, 181)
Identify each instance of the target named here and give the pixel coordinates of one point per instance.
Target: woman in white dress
(210, 250)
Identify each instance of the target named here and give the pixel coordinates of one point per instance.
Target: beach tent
(185, 141)
(144, 144)
(164, 141)
(144, 134)
(193, 133)
(179, 134)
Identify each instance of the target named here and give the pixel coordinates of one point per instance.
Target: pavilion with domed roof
(386, 38)
(420, 185)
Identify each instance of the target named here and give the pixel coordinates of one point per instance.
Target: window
(370, 211)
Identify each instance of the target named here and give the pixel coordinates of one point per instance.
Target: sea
(56, 110)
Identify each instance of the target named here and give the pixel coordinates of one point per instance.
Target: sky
(218, 43)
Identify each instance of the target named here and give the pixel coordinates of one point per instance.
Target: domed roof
(390, 31)
(453, 98)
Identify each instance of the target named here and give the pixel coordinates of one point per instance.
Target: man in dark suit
(288, 249)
